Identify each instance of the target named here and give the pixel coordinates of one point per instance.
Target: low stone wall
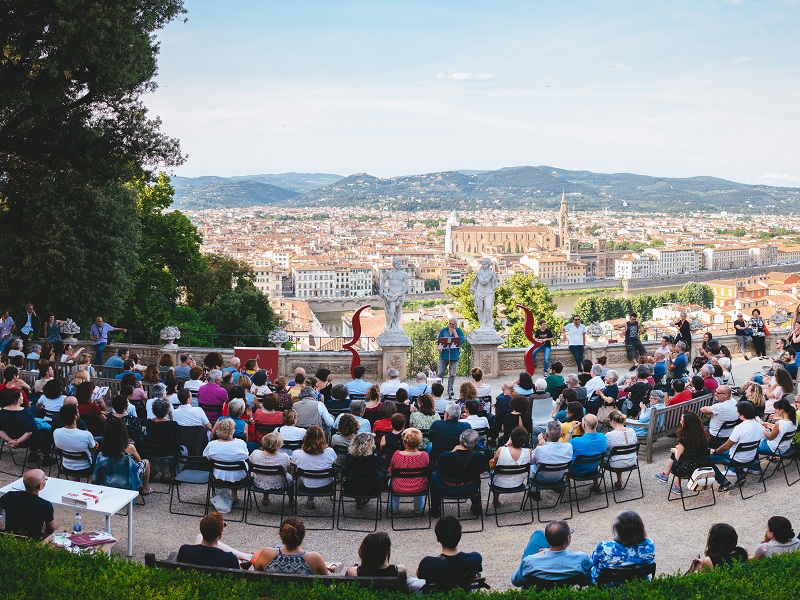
(509, 363)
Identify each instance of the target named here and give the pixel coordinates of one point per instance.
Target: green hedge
(28, 570)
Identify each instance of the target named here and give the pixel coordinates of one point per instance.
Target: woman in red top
(268, 415)
(410, 458)
(92, 416)
(373, 410)
(384, 424)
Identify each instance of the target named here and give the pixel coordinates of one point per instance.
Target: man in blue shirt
(445, 435)
(679, 364)
(99, 336)
(590, 443)
(546, 556)
(420, 386)
(449, 353)
(129, 364)
(118, 361)
(358, 386)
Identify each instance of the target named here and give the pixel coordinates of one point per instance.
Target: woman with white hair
(229, 449)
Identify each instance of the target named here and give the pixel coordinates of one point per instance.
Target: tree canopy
(606, 308)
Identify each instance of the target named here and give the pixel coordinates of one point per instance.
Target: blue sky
(672, 88)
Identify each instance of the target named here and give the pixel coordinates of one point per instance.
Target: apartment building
(636, 266)
(555, 269)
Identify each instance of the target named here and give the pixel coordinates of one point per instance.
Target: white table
(113, 500)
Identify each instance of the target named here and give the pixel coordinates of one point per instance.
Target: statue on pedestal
(394, 286)
(482, 289)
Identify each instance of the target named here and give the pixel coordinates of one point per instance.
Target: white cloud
(462, 76)
(741, 60)
(779, 179)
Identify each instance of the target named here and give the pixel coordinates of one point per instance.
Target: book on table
(84, 497)
(92, 538)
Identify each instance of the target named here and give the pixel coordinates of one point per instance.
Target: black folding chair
(194, 439)
(367, 487)
(79, 473)
(719, 438)
(408, 474)
(190, 471)
(539, 483)
(597, 473)
(618, 452)
(783, 459)
(753, 464)
(618, 575)
(523, 489)
(254, 490)
(451, 493)
(161, 456)
(325, 491)
(215, 483)
(12, 451)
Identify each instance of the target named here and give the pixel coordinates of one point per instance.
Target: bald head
(299, 371)
(70, 400)
(33, 480)
(589, 423)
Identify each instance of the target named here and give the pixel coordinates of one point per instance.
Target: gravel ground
(678, 535)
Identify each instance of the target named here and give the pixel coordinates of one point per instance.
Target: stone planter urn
(169, 335)
(70, 329)
(278, 337)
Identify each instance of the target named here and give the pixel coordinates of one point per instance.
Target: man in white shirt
(72, 439)
(475, 421)
(576, 335)
(749, 430)
(439, 403)
(724, 409)
(550, 452)
(159, 390)
(358, 386)
(595, 384)
(390, 387)
(187, 415)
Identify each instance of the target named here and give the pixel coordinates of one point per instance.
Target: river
(332, 321)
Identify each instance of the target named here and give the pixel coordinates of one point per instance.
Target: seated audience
(338, 399)
(310, 411)
(409, 457)
(357, 408)
(268, 414)
(681, 393)
(656, 402)
(690, 453)
(290, 557)
(590, 443)
(314, 455)
(785, 422)
(484, 389)
(524, 385)
(194, 384)
(18, 427)
(630, 545)
(778, 538)
(519, 416)
(420, 386)
(288, 430)
(439, 401)
(502, 403)
(228, 449)
(512, 454)
(161, 430)
(208, 552)
(375, 552)
(550, 451)
(269, 455)
(546, 556)
(444, 435)
(68, 437)
(118, 463)
(749, 430)
(362, 460)
(348, 428)
(463, 465)
(358, 386)
(721, 549)
(472, 408)
(187, 415)
(424, 417)
(392, 383)
(555, 381)
(52, 398)
(392, 441)
(384, 424)
(212, 397)
(620, 435)
(452, 567)
(26, 513)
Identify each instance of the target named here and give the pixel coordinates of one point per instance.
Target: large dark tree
(73, 132)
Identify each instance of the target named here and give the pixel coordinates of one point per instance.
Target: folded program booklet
(92, 538)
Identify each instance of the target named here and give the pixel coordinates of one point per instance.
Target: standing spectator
(759, 332)
(7, 326)
(779, 538)
(633, 344)
(212, 397)
(743, 334)
(545, 336)
(576, 338)
(29, 322)
(449, 355)
(630, 545)
(684, 332)
(99, 336)
(26, 513)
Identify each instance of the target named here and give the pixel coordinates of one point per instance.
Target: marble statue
(482, 289)
(394, 287)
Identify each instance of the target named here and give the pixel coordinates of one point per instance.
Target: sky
(665, 88)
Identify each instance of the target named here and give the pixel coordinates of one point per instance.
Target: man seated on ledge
(546, 556)
(209, 552)
(452, 567)
(26, 513)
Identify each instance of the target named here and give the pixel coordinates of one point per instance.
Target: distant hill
(509, 187)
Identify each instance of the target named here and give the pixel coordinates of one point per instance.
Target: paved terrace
(678, 535)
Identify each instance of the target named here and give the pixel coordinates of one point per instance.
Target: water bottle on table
(77, 528)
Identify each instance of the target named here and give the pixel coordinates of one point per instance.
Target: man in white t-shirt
(187, 415)
(723, 410)
(576, 335)
(72, 439)
(749, 430)
(393, 383)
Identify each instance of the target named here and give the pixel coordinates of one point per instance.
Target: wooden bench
(666, 421)
(378, 583)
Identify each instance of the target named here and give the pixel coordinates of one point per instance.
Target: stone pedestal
(394, 344)
(485, 344)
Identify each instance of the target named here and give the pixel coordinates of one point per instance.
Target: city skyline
(342, 87)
